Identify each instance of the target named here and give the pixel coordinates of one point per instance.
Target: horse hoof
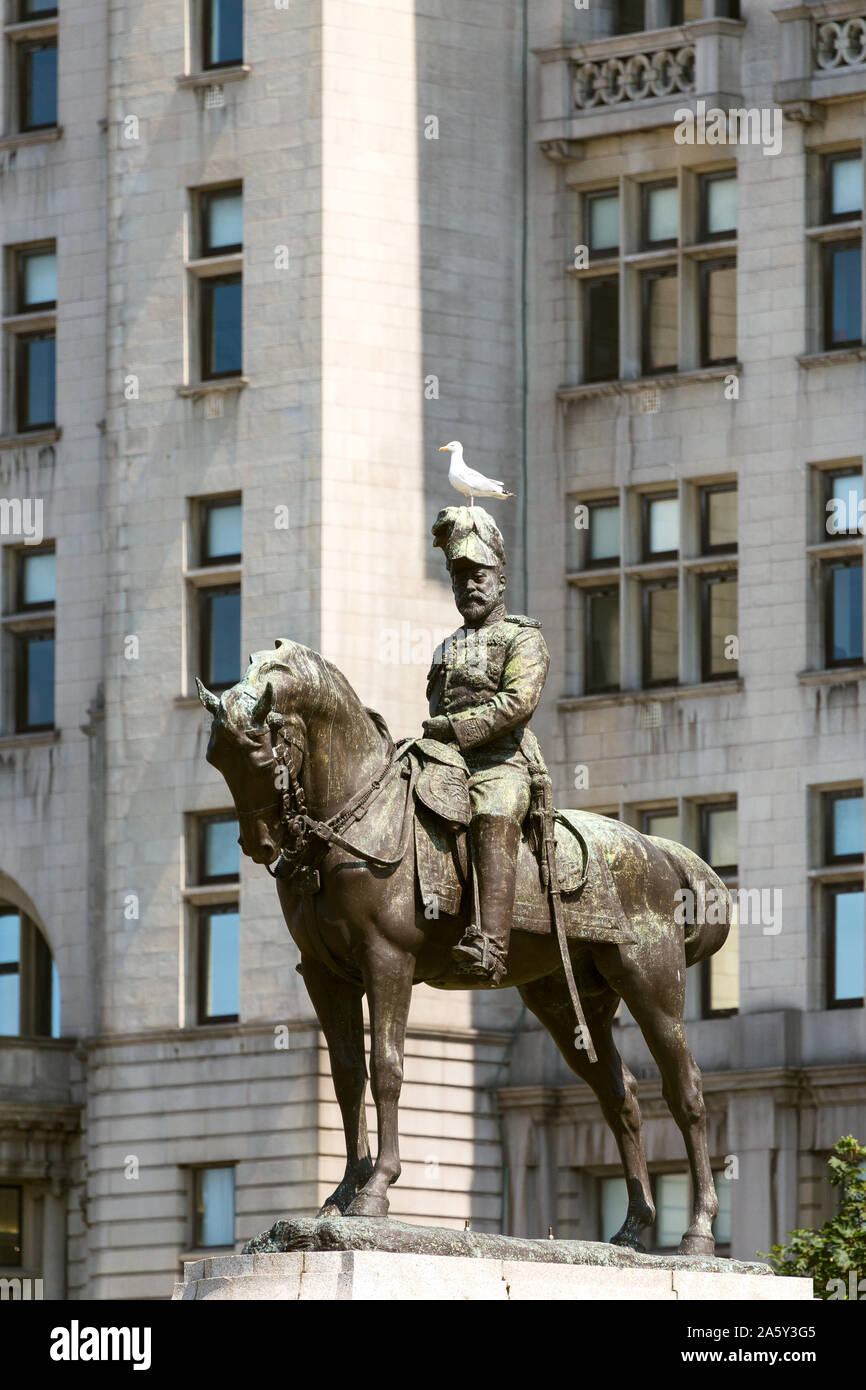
(367, 1204)
(630, 1243)
(697, 1245)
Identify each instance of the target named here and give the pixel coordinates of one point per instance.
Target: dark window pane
(38, 77)
(602, 640)
(718, 519)
(849, 945)
(719, 614)
(224, 32)
(214, 1207)
(845, 826)
(629, 17)
(602, 329)
(37, 586)
(10, 1226)
(845, 615)
(36, 381)
(221, 327)
(221, 636)
(719, 310)
(36, 681)
(660, 328)
(220, 852)
(719, 838)
(220, 964)
(842, 294)
(603, 533)
(221, 532)
(661, 644)
(603, 223)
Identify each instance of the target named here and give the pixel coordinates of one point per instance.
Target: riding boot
(483, 949)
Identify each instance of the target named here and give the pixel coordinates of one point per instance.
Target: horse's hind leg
(612, 1082)
(661, 1023)
(338, 1007)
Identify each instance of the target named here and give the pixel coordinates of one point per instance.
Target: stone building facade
(289, 265)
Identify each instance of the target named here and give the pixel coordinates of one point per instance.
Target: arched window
(29, 985)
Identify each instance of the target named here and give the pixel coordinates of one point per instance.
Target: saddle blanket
(591, 912)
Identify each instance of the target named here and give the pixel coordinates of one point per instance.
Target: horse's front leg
(388, 974)
(338, 1008)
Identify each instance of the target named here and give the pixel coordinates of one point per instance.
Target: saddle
(590, 903)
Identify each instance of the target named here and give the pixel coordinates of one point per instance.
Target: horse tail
(706, 902)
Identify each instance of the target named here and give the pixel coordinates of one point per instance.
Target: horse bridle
(301, 829)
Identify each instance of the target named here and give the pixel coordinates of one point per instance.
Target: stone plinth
(369, 1260)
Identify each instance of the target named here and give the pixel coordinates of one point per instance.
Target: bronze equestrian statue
(418, 863)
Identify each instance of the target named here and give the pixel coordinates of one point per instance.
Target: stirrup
(478, 955)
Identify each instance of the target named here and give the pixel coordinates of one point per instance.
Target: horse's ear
(281, 642)
(207, 697)
(264, 704)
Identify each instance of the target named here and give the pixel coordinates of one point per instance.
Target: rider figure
(483, 687)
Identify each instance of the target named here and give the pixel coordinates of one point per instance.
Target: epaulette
(520, 621)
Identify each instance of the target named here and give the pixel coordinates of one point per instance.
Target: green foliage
(840, 1245)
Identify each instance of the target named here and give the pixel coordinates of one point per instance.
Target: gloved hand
(438, 728)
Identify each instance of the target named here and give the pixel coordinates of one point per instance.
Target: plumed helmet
(468, 533)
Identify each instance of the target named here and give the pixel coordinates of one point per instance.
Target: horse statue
(322, 792)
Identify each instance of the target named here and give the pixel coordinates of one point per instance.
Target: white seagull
(467, 480)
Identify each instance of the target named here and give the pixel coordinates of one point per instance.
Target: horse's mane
(318, 676)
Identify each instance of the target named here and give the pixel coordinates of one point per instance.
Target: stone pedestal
(344, 1260)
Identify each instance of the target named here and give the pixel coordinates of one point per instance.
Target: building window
(223, 39)
(665, 824)
(718, 627)
(10, 1226)
(719, 519)
(37, 84)
(601, 211)
(31, 631)
(718, 310)
(31, 329)
(218, 850)
(214, 1207)
(216, 281)
(660, 212)
(219, 964)
(720, 975)
(843, 503)
(219, 591)
(846, 940)
(29, 985)
(221, 531)
(601, 328)
(718, 206)
(843, 612)
(843, 826)
(603, 538)
(661, 526)
(843, 186)
(842, 274)
(659, 321)
(660, 633)
(602, 639)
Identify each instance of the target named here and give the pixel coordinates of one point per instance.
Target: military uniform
(487, 682)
